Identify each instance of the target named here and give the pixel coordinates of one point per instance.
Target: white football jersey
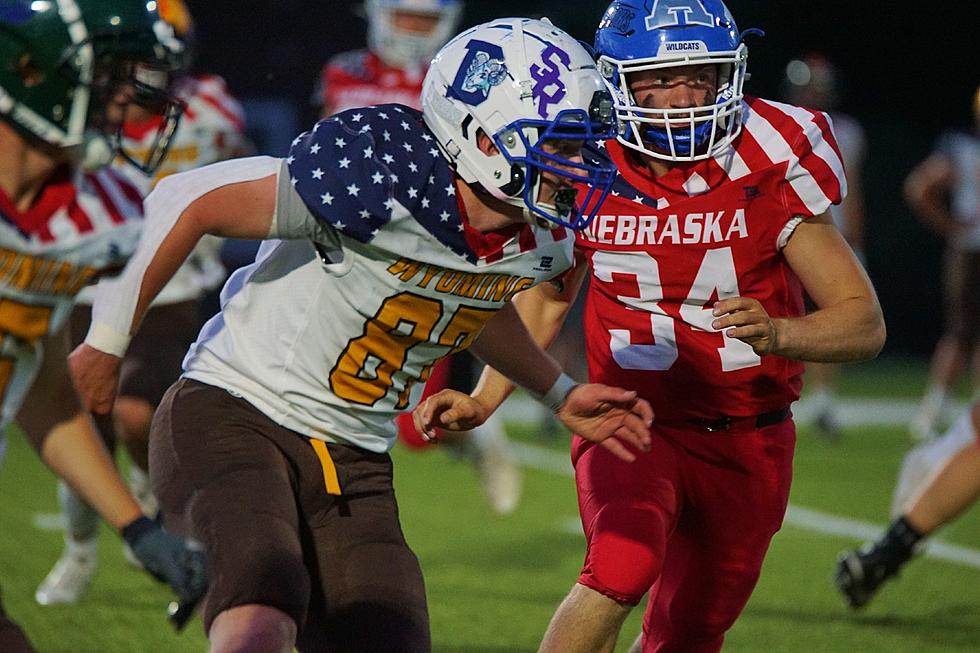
(83, 225)
(963, 152)
(334, 334)
(212, 129)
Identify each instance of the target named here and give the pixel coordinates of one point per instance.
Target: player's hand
(178, 563)
(450, 410)
(611, 416)
(744, 318)
(96, 377)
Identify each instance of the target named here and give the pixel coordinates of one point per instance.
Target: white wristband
(555, 397)
(103, 337)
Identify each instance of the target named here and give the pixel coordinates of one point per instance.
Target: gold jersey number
(367, 367)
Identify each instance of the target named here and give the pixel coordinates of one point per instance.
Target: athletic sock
(897, 545)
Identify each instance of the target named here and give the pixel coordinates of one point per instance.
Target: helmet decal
(676, 13)
(481, 70)
(535, 92)
(549, 77)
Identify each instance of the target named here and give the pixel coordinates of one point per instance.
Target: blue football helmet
(641, 35)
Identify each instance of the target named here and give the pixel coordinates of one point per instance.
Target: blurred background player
(944, 192)
(951, 488)
(814, 82)
(403, 36)
(211, 129)
(69, 72)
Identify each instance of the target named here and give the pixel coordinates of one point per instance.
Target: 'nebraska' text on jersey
(333, 334)
(82, 225)
(664, 250)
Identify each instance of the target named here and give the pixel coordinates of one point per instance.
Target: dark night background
(908, 72)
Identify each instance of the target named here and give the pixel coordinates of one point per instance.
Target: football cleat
(69, 578)
(860, 573)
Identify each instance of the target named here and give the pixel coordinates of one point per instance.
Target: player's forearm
(542, 311)
(851, 330)
(506, 346)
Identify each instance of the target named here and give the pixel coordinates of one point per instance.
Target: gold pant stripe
(329, 470)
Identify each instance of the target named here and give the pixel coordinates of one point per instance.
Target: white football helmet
(522, 82)
(401, 48)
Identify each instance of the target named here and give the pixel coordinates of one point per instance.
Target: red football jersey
(360, 78)
(663, 250)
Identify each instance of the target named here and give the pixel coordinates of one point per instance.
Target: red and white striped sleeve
(803, 139)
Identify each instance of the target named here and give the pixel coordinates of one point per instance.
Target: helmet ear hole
(485, 143)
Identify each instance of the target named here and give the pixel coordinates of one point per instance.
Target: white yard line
(805, 518)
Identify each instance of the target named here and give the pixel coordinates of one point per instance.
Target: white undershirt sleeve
(115, 303)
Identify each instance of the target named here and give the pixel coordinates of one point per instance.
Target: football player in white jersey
(812, 81)
(392, 239)
(944, 192)
(72, 68)
(211, 129)
(403, 35)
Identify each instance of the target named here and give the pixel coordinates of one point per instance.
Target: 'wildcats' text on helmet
(636, 36)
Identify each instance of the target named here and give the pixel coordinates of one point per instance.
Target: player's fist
(745, 318)
(96, 377)
(450, 410)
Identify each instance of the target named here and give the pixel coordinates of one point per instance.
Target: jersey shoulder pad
(803, 141)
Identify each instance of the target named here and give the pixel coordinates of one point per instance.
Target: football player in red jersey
(717, 223)
(74, 66)
(403, 35)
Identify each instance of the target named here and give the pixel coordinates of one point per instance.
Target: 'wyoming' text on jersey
(484, 287)
(672, 229)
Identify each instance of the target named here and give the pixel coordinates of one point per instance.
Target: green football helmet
(63, 63)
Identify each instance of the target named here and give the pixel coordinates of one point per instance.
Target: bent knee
(252, 628)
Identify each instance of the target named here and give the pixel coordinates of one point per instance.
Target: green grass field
(494, 582)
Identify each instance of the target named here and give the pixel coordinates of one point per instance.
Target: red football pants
(690, 522)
